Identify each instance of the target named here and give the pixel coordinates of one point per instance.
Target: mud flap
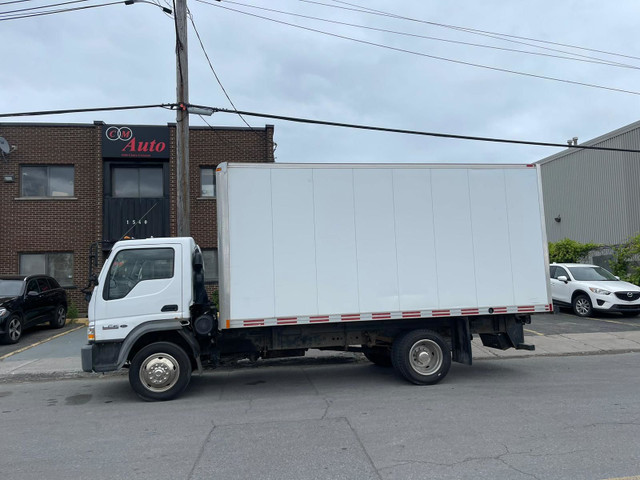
(461, 341)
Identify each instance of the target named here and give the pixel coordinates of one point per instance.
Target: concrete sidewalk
(60, 356)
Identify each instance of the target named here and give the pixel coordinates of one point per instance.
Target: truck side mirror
(198, 260)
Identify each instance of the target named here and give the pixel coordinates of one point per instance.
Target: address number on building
(137, 222)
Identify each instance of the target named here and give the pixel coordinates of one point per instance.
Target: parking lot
(563, 322)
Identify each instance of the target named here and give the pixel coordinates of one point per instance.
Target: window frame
(134, 277)
(213, 185)
(48, 169)
(138, 169)
(47, 267)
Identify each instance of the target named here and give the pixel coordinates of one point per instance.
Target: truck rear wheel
(160, 371)
(421, 356)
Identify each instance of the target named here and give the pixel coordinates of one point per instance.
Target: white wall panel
(375, 237)
(417, 270)
(453, 235)
(491, 238)
(294, 242)
(524, 212)
(251, 243)
(337, 268)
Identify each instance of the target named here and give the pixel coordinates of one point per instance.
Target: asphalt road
(542, 418)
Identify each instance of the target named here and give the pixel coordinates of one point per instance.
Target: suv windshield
(591, 274)
(11, 288)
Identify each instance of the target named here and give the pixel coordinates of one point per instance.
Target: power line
(170, 106)
(584, 58)
(63, 10)
(213, 69)
(174, 106)
(14, 1)
(434, 57)
(466, 29)
(42, 6)
(417, 132)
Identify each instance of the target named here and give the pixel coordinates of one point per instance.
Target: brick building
(64, 187)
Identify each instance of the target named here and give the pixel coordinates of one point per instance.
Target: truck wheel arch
(163, 331)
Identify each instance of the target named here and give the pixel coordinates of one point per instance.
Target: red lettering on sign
(152, 146)
(130, 146)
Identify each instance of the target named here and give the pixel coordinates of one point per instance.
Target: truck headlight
(599, 291)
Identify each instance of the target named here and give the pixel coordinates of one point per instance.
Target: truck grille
(628, 296)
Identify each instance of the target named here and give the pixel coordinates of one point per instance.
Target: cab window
(131, 267)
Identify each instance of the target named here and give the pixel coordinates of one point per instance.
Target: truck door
(560, 290)
(142, 284)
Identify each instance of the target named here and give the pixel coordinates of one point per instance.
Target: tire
(581, 305)
(59, 317)
(160, 371)
(379, 356)
(13, 330)
(421, 356)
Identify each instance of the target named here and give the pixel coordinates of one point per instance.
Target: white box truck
(404, 263)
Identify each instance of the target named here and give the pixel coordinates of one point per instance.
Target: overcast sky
(125, 55)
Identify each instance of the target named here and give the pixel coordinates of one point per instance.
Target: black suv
(26, 301)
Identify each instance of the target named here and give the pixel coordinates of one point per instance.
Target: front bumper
(86, 354)
(100, 357)
(605, 304)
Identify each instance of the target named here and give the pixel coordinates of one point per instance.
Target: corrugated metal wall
(595, 194)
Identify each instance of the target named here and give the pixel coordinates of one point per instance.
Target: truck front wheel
(421, 356)
(160, 371)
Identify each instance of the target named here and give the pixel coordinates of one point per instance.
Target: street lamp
(164, 9)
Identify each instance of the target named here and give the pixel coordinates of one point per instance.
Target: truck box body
(322, 243)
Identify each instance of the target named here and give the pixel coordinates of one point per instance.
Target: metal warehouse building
(594, 195)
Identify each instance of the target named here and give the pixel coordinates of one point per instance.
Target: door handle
(169, 308)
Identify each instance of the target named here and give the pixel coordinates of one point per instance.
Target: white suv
(586, 288)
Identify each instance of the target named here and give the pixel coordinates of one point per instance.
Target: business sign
(135, 142)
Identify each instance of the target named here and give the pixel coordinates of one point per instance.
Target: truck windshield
(11, 288)
(597, 274)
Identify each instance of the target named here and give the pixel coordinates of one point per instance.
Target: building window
(46, 181)
(56, 265)
(134, 182)
(210, 258)
(208, 182)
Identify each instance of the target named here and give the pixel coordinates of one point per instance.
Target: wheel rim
(159, 372)
(582, 306)
(425, 357)
(15, 329)
(60, 316)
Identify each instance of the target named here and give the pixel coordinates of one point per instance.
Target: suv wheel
(582, 305)
(13, 330)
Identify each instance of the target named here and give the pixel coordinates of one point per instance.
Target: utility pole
(182, 120)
